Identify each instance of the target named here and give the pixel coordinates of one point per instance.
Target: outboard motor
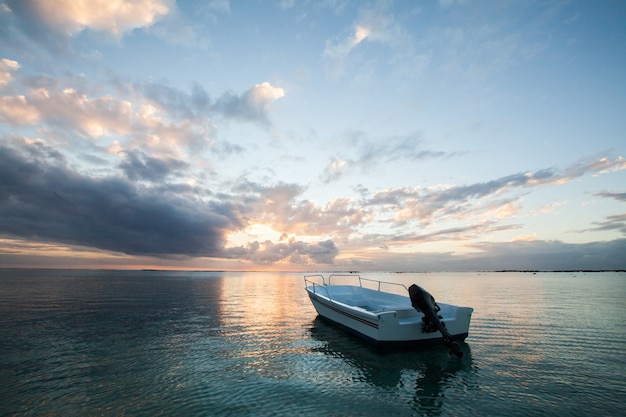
(422, 301)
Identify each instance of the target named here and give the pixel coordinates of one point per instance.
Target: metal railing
(324, 284)
(381, 282)
(315, 285)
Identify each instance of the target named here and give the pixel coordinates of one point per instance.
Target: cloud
(195, 105)
(616, 222)
(617, 196)
(29, 24)
(153, 217)
(41, 199)
(296, 252)
(525, 238)
(132, 124)
(167, 120)
(546, 255)
(7, 68)
(336, 54)
(550, 207)
(333, 171)
(16, 111)
(425, 204)
(602, 165)
(394, 148)
(344, 47)
(521, 255)
(252, 105)
(69, 17)
(376, 24)
(283, 207)
(409, 215)
(263, 94)
(468, 232)
(68, 108)
(151, 131)
(370, 153)
(139, 166)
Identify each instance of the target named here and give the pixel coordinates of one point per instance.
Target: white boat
(386, 318)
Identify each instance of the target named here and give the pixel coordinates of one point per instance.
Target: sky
(305, 135)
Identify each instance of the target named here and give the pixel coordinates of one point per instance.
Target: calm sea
(121, 343)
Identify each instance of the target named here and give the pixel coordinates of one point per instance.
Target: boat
(383, 318)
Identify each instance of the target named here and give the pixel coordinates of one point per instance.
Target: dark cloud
(139, 166)
(615, 222)
(617, 196)
(496, 256)
(548, 255)
(42, 200)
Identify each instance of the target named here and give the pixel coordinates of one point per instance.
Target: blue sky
(313, 135)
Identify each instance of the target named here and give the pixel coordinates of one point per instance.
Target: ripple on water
(159, 344)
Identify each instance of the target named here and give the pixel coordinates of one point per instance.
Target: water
(111, 343)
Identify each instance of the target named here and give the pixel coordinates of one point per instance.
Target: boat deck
(376, 302)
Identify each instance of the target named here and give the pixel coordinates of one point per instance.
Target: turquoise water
(113, 343)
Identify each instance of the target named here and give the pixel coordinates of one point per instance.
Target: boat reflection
(427, 375)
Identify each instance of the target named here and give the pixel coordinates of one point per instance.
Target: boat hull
(398, 327)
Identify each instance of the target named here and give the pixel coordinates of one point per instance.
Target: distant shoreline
(534, 271)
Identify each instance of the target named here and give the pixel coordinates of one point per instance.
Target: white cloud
(263, 94)
(132, 123)
(17, 111)
(92, 116)
(7, 67)
(344, 47)
(113, 16)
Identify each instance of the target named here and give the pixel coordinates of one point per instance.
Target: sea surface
(153, 343)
